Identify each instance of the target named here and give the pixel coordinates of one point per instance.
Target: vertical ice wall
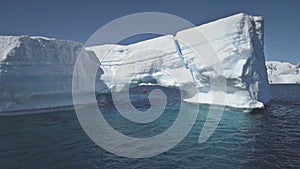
(35, 67)
(238, 44)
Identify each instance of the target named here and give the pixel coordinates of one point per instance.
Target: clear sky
(78, 20)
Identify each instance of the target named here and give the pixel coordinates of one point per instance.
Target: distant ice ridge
(238, 42)
(36, 72)
(283, 72)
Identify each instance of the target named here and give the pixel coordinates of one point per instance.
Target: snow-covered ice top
(41, 37)
(8, 43)
(283, 72)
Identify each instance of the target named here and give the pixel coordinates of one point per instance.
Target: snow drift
(36, 72)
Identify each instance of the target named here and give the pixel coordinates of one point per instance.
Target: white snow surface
(283, 72)
(36, 72)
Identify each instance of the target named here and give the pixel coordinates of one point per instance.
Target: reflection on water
(267, 138)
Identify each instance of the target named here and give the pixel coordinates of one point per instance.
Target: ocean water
(268, 138)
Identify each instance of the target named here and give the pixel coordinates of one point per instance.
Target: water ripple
(267, 138)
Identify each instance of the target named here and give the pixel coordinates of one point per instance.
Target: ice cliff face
(32, 68)
(35, 68)
(283, 72)
(143, 62)
(237, 40)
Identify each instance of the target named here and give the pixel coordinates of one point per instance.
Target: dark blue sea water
(267, 138)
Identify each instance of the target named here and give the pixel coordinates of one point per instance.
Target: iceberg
(239, 45)
(237, 41)
(36, 72)
(283, 72)
(151, 61)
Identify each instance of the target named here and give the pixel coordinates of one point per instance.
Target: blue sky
(78, 20)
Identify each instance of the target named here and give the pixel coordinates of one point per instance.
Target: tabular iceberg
(237, 41)
(36, 72)
(283, 72)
